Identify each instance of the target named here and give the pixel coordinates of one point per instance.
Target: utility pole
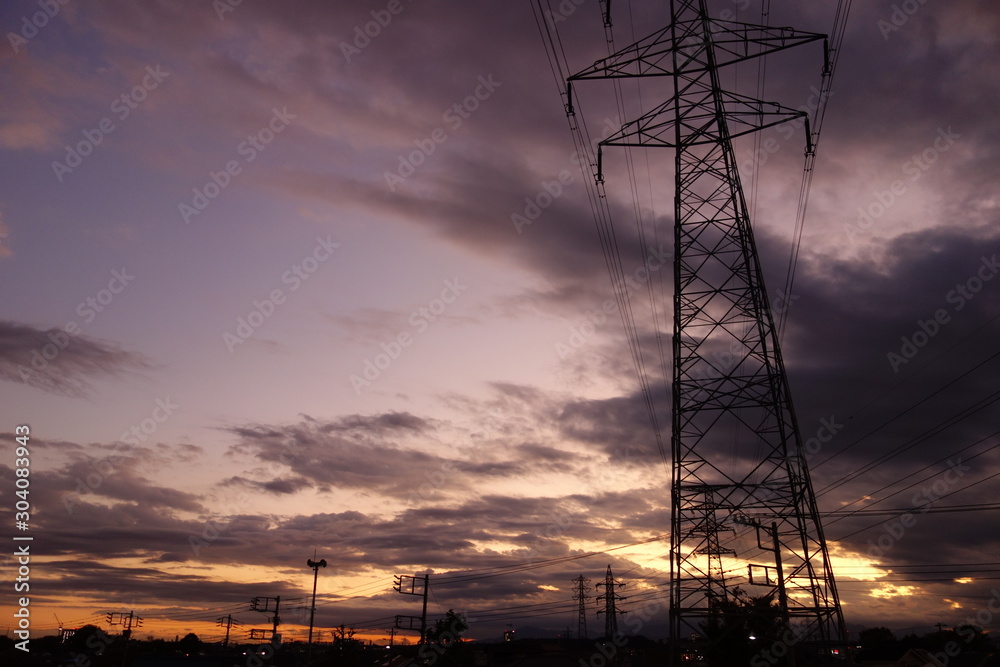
(735, 439)
(263, 605)
(610, 610)
(775, 546)
(581, 596)
(274, 631)
(228, 622)
(127, 621)
(423, 613)
(315, 565)
(407, 585)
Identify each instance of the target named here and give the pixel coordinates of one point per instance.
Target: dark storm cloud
(388, 422)
(379, 453)
(892, 98)
(136, 585)
(540, 452)
(892, 365)
(118, 530)
(279, 486)
(353, 452)
(472, 184)
(463, 208)
(53, 361)
(117, 472)
(900, 423)
(620, 426)
(438, 538)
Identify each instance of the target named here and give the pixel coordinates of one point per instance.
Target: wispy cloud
(59, 363)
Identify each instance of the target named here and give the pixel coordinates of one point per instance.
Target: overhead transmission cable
(901, 414)
(826, 85)
(600, 208)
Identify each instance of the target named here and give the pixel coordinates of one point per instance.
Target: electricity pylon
(581, 596)
(736, 449)
(611, 610)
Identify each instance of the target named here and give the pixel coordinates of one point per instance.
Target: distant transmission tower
(736, 449)
(581, 596)
(611, 610)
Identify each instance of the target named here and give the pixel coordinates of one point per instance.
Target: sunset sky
(268, 292)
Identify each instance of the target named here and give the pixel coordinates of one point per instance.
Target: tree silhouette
(444, 647)
(448, 630)
(876, 636)
(90, 640)
(741, 627)
(189, 643)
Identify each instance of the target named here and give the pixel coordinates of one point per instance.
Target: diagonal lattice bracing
(741, 493)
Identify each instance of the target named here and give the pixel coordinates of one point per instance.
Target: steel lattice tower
(581, 595)
(611, 600)
(736, 449)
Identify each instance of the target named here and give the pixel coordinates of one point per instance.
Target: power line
(967, 486)
(977, 507)
(902, 413)
(837, 35)
(473, 575)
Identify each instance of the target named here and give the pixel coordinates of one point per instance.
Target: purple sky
(265, 294)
